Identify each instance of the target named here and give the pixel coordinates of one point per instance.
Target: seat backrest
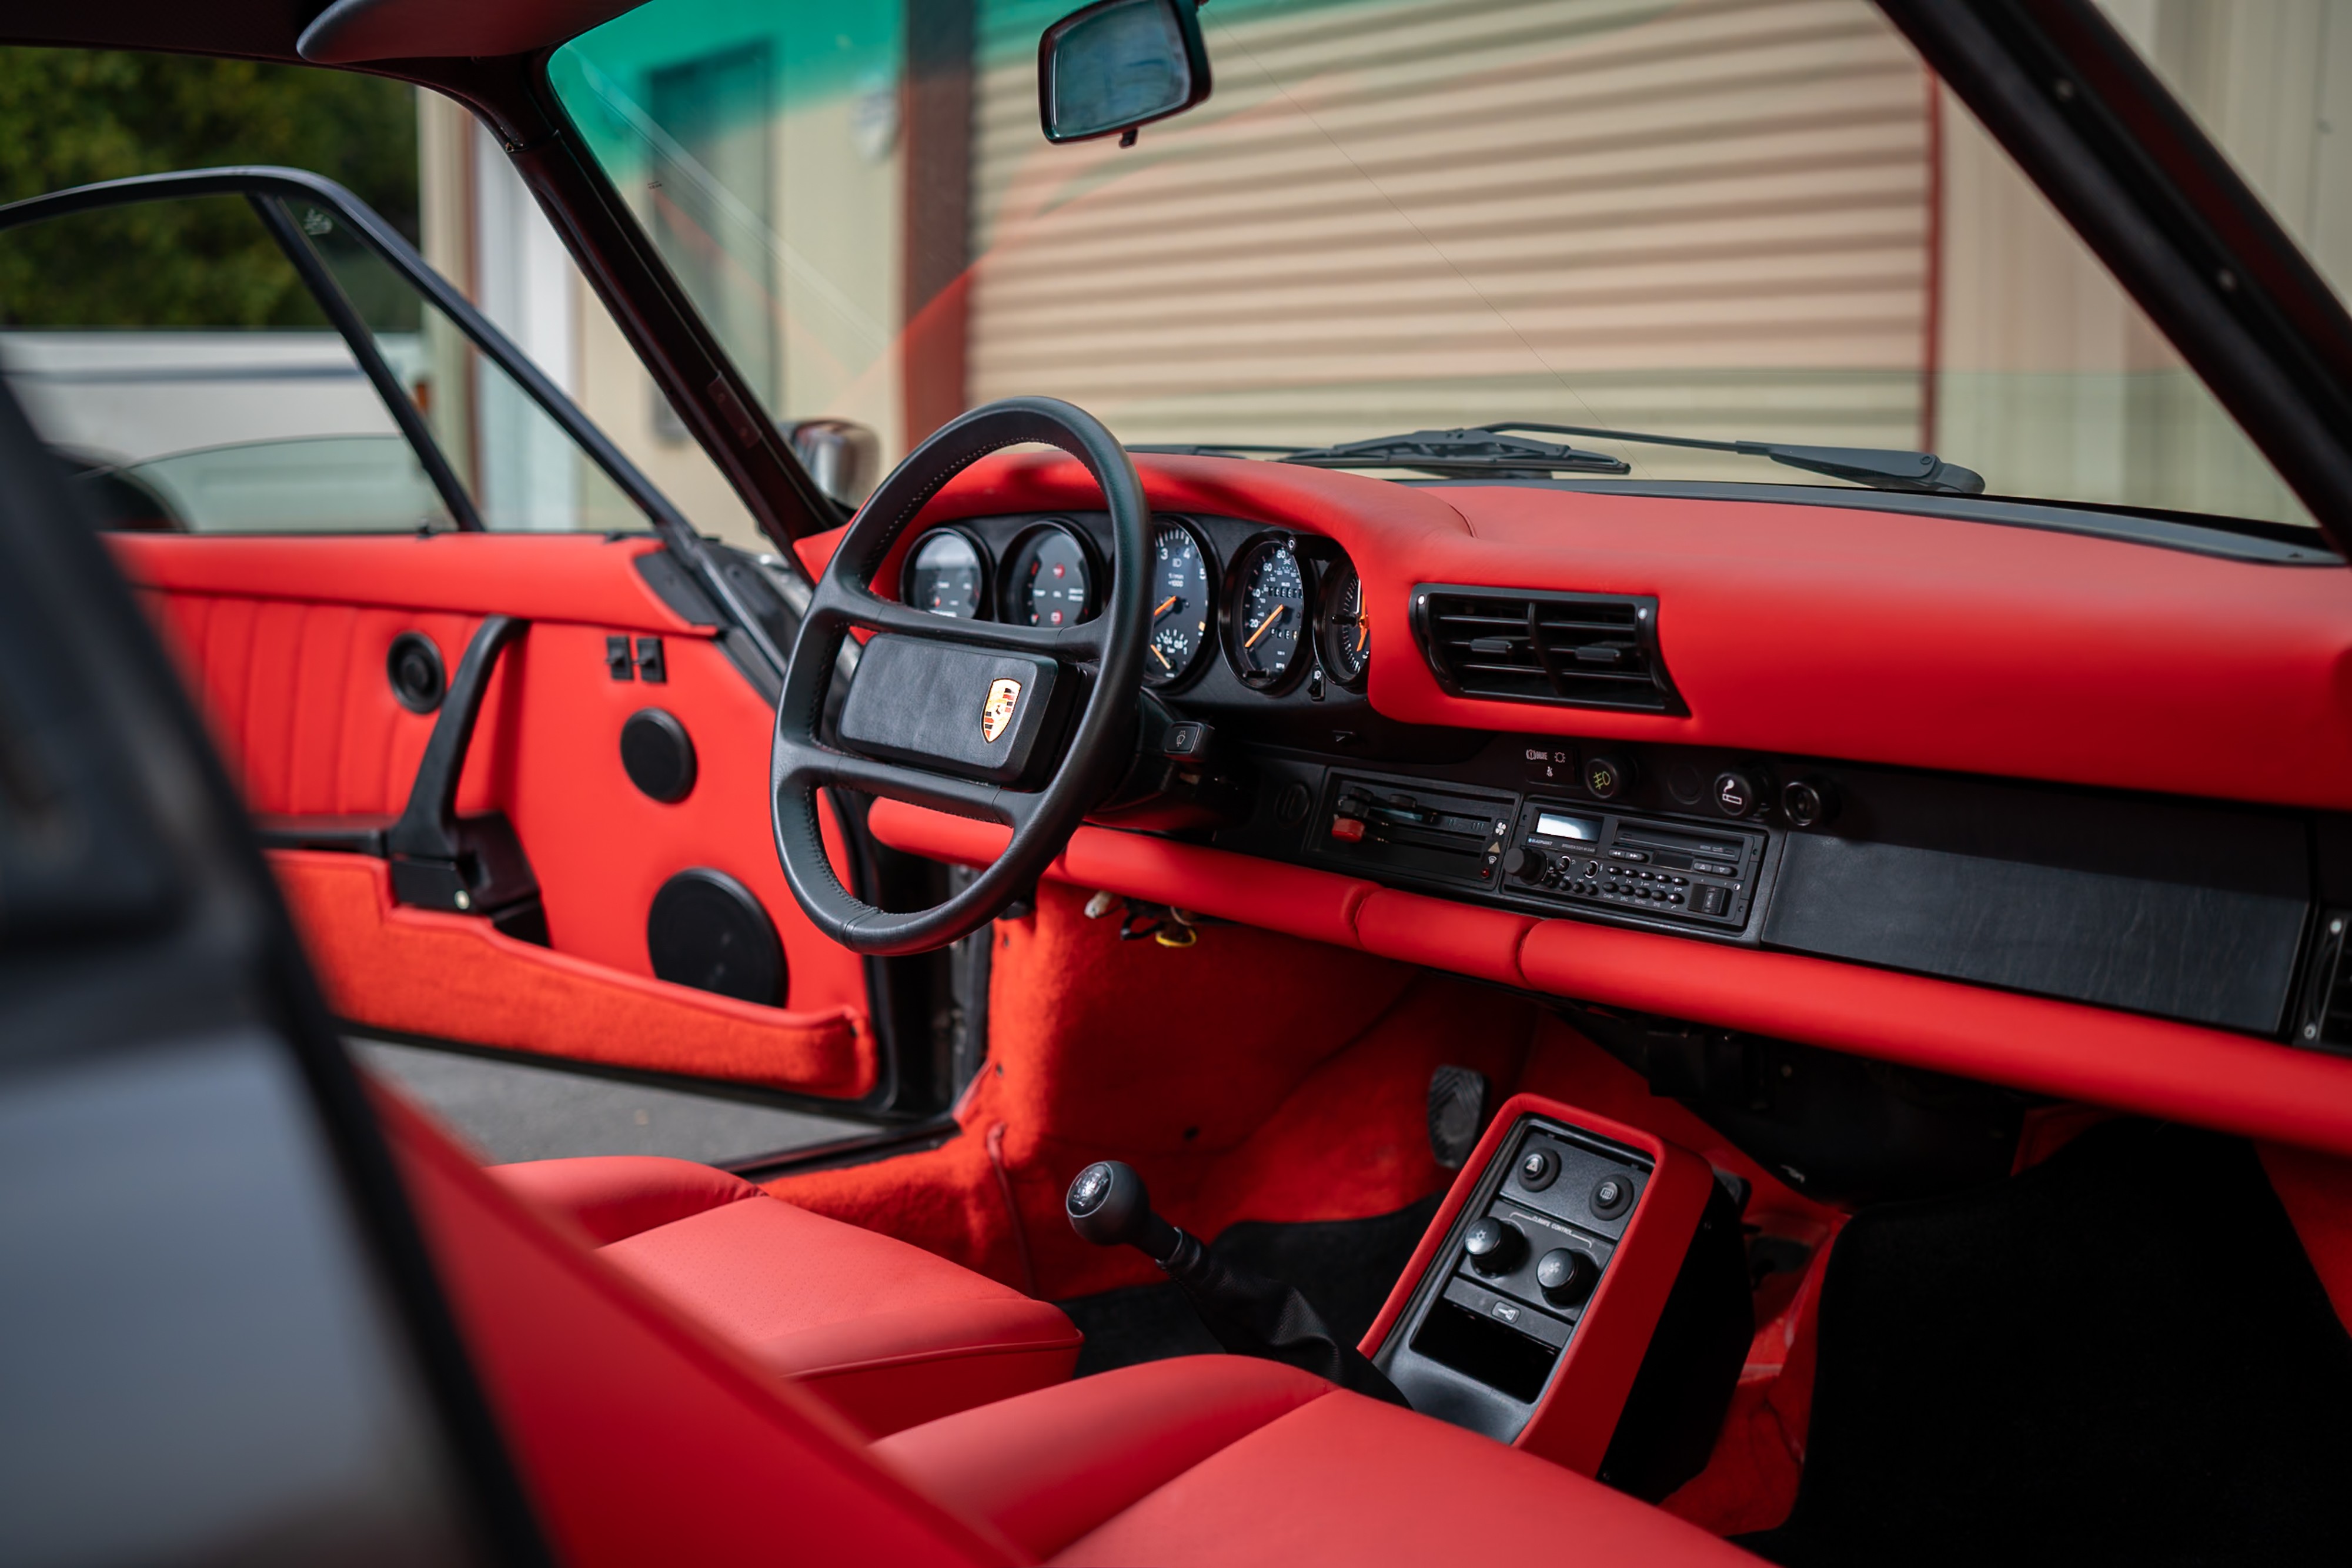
(639, 1436)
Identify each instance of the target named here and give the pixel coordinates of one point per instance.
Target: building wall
(1698, 217)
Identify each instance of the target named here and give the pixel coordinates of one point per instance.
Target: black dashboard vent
(2324, 1021)
(1582, 650)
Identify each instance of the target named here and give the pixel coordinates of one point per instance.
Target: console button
(1607, 777)
(1494, 1246)
(1566, 1276)
(1808, 802)
(1346, 829)
(1736, 792)
(1536, 1169)
(1708, 899)
(1611, 1196)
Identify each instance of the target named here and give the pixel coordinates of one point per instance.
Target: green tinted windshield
(1767, 222)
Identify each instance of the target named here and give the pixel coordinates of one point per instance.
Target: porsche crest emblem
(997, 712)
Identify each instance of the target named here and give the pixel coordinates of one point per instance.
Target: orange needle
(1160, 656)
(1166, 605)
(1363, 634)
(1263, 624)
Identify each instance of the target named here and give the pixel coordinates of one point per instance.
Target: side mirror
(844, 457)
(1119, 63)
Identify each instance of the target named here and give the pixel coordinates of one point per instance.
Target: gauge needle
(1161, 657)
(1263, 624)
(1363, 635)
(1165, 606)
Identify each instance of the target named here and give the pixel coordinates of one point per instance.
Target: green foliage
(68, 116)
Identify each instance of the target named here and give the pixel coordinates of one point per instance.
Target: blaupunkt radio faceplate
(1572, 855)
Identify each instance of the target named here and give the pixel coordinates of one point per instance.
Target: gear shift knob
(1109, 1207)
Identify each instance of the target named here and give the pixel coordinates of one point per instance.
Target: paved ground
(517, 1111)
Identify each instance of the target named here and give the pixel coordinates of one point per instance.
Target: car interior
(1701, 997)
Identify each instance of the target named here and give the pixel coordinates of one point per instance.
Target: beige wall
(1702, 217)
(2051, 380)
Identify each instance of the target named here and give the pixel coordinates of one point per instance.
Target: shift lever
(1248, 1313)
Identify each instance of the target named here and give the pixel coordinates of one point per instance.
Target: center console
(1581, 1294)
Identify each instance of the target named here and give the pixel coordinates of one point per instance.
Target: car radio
(1576, 855)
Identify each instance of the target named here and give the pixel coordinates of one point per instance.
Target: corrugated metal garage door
(1702, 217)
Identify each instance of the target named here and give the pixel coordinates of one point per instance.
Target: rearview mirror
(1119, 63)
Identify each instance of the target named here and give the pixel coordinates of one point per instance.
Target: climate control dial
(1495, 1246)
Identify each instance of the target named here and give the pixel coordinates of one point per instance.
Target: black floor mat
(2122, 1355)
(1343, 1266)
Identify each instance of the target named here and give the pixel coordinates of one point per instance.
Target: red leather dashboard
(1827, 631)
(1835, 632)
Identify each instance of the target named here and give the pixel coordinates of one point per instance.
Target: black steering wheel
(967, 716)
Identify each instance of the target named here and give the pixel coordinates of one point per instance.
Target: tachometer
(1267, 615)
(1180, 604)
(1047, 580)
(1347, 639)
(944, 575)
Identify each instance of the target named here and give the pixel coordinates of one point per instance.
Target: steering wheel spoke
(1042, 819)
(814, 767)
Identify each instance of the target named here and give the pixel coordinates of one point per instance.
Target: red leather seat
(642, 1437)
(1220, 1460)
(890, 1335)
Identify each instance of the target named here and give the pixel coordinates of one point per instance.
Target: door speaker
(415, 669)
(658, 754)
(707, 930)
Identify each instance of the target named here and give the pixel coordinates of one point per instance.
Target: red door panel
(285, 642)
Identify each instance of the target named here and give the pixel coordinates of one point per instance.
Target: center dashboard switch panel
(1581, 1294)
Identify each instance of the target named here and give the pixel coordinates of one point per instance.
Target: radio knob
(1494, 1246)
(1526, 865)
(1608, 776)
(1736, 792)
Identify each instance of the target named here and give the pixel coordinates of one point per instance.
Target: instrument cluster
(1273, 607)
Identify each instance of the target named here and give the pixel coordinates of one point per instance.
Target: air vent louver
(1583, 649)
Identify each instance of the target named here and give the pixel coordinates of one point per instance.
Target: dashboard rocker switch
(1495, 1246)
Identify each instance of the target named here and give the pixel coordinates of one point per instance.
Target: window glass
(170, 356)
(520, 467)
(1769, 222)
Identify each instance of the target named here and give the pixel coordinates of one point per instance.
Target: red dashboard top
(1831, 631)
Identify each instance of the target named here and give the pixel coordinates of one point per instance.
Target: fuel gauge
(1345, 638)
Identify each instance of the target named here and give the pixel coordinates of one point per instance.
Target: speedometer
(1181, 604)
(1267, 614)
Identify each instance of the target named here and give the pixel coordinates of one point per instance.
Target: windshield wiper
(1879, 468)
(1482, 450)
(1490, 451)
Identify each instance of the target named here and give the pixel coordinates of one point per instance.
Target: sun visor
(350, 32)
